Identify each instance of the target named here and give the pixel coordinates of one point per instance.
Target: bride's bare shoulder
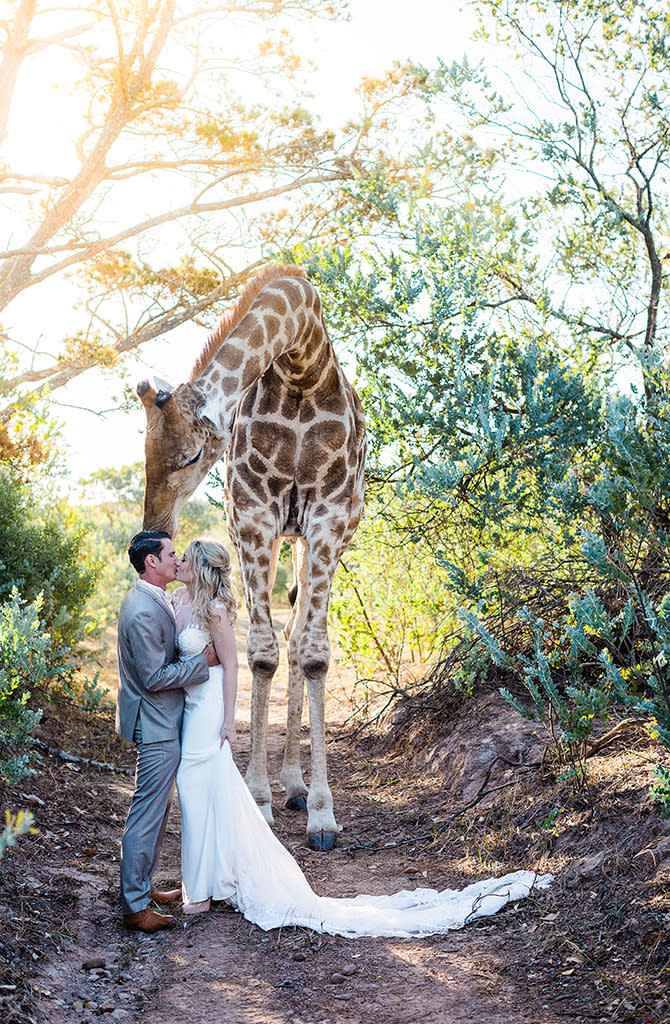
(218, 607)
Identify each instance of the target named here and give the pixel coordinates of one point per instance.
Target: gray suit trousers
(157, 765)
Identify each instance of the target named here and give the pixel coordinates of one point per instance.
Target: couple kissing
(155, 686)
(176, 702)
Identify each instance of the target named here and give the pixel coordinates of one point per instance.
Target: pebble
(107, 1006)
(96, 961)
(300, 956)
(349, 970)
(337, 979)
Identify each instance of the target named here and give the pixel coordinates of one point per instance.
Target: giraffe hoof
(297, 803)
(322, 841)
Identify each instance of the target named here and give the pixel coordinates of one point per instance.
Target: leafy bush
(24, 664)
(389, 603)
(610, 646)
(88, 694)
(660, 791)
(42, 552)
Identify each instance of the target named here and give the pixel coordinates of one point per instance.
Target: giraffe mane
(232, 316)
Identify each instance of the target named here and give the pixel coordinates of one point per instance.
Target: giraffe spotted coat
(269, 393)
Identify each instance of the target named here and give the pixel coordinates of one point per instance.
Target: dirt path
(509, 969)
(219, 967)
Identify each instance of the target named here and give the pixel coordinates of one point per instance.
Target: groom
(149, 711)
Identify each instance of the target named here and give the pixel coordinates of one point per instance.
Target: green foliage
(45, 586)
(85, 692)
(27, 439)
(389, 603)
(472, 669)
(550, 822)
(42, 552)
(16, 825)
(609, 649)
(24, 665)
(660, 791)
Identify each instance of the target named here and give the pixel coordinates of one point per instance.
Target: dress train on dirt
(229, 852)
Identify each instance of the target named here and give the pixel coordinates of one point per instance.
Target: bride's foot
(196, 908)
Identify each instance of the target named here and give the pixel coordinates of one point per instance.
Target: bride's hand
(228, 733)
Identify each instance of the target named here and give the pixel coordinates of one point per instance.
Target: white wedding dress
(229, 852)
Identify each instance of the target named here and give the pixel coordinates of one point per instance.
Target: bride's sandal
(196, 908)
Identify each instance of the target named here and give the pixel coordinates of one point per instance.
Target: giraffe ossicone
(268, 393)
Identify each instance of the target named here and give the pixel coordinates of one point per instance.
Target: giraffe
(268, 393)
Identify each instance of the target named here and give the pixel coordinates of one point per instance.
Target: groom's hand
(211, 655)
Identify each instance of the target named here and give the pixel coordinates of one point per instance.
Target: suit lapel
(157, 600)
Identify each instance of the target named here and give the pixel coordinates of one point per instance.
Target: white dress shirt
(162, 594)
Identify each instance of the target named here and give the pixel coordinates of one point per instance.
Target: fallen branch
(624, 726)
(66, 755)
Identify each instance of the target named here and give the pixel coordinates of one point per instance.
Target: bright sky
(379, 32)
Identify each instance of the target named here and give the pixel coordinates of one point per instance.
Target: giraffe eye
(191, 462)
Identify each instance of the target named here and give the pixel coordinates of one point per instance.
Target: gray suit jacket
(151, 681)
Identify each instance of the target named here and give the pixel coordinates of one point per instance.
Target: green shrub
(85, 692)
(42, 552)
(389, 603)
(660, 791)
(608, 647)
(24, 665)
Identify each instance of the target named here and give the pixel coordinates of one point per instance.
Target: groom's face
(165, 564)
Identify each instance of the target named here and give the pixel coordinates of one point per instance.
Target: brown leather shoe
(148, 921)
(167, 896)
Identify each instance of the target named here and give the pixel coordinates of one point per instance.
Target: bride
(229, 851)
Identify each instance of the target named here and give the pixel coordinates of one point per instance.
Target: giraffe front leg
(291, 773)
(314, 659)
(263, 658)
(255, 544)
(324, 540)
(322, 829)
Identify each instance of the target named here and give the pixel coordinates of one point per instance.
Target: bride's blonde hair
(210, 566)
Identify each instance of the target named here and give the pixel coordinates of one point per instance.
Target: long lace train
(271, 890)
(230, 852)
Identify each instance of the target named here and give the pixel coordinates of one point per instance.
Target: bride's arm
(223, 639)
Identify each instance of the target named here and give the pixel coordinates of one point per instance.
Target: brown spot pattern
(295, 453)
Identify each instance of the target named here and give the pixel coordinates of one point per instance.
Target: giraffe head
(181, 447)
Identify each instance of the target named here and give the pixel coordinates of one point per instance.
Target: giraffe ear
(204, 411)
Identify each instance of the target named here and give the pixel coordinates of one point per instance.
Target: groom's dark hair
(146, 542)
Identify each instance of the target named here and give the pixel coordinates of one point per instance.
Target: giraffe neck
(284, 321)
